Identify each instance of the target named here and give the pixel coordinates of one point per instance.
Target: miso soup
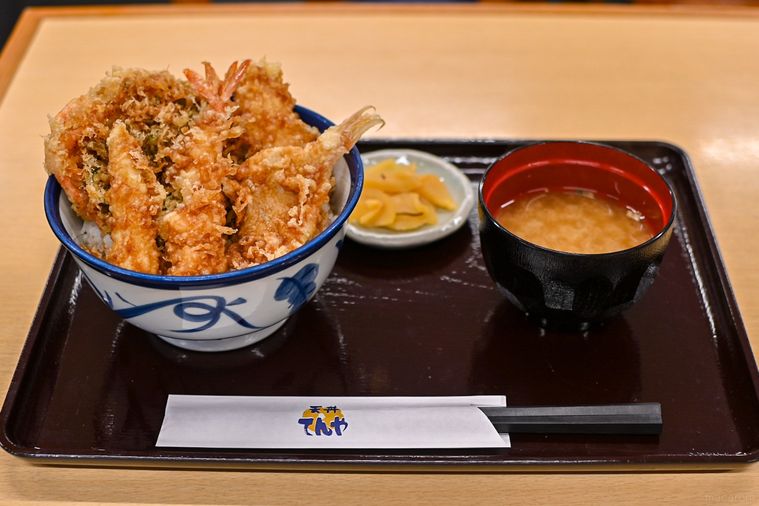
(574, 221)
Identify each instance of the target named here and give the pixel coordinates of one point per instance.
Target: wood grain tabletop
(686, 75)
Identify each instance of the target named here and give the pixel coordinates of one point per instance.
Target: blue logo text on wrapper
(323, 421)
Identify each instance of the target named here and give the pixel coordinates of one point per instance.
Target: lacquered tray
(428, 321)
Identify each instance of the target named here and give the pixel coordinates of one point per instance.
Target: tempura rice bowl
(217, 312)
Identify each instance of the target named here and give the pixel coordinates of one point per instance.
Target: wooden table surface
(685, 75)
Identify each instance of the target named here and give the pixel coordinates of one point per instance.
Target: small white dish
(458, 184)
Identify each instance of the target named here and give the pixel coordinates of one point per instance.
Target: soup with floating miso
(575, 221)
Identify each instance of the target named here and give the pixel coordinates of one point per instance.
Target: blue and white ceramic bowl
(225, 311)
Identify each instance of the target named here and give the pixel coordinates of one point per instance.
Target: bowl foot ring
(223, 344)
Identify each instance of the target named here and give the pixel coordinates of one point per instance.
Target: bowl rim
(52, 213)
(656, 237)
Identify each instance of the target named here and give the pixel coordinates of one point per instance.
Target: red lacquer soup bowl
(573, 290)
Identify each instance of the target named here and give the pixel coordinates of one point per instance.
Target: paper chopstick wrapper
(202, 421)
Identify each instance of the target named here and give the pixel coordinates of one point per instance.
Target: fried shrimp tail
(283, 193)
(193, 227)
(135, 197)
(217, 93)
(357, 124)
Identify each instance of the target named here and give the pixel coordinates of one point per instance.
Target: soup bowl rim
(491, 218)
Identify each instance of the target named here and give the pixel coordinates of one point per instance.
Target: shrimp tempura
(135, 197)
(283, 195)
(266, 112)
(194, 227)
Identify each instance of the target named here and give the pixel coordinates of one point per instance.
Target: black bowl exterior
(568, 290)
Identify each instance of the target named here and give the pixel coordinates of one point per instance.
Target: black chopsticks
(641, 418)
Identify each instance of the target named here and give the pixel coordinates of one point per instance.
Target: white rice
(91, 238)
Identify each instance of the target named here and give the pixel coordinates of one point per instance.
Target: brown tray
(428, 321)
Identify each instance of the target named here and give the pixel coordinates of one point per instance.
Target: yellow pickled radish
(405, 222)
(387, 166)
(368, 213)
(386, 214)
(407, 203)
(413, 212)
(393, 181)
(398, 198)
(364, 211)
(433, 189)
